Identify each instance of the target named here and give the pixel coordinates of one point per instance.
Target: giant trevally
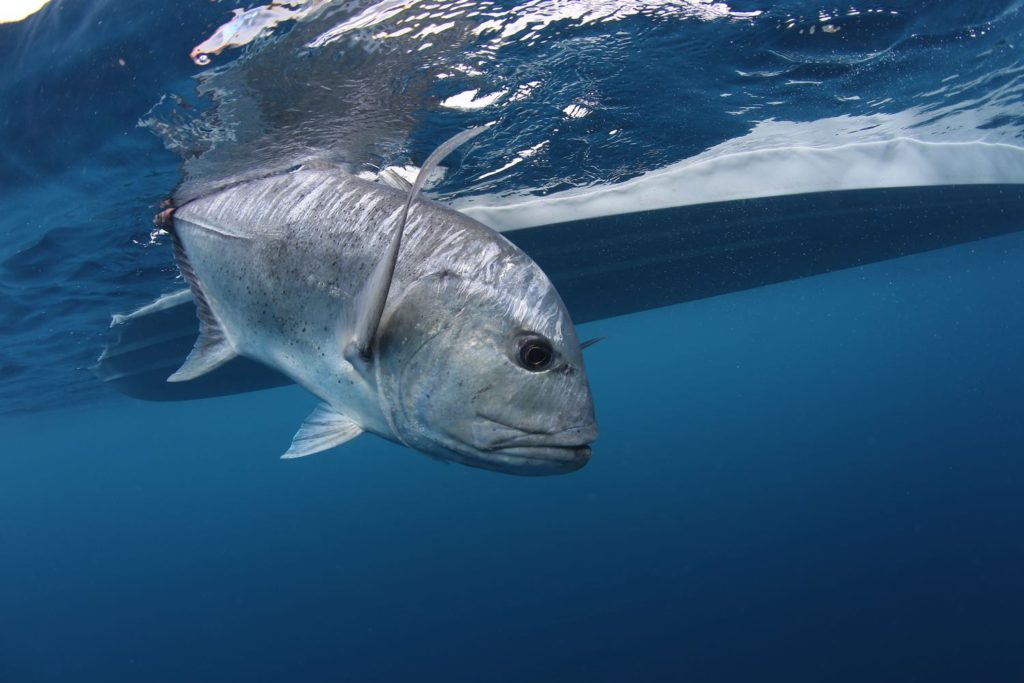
(405, 318)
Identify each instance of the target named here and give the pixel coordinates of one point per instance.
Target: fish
(405, 318)
(246, 26)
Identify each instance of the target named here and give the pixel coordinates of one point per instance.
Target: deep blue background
(818, 480)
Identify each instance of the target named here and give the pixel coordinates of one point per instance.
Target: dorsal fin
(368, 305)
(390, 177)
(212, 348)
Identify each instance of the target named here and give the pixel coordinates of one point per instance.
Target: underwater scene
(549, 340)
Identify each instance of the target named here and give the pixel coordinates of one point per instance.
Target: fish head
(487, 372)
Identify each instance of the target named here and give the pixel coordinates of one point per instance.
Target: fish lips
(504, 448)
(538, 460)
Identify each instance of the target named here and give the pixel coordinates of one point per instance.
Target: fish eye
(535, 353)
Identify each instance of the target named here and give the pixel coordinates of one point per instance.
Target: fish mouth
(534, 460)
(504, 448)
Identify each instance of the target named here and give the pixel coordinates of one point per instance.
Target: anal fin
(210, 352)
(324, 428)
(212, 349)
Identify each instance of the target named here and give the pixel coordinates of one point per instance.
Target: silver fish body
(474, 358)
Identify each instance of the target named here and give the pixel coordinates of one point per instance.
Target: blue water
(815, 480)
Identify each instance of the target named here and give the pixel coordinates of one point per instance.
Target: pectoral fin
(324, 428)
(368, 306)
(212, 348)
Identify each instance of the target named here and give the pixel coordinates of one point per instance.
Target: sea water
(814, 480)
